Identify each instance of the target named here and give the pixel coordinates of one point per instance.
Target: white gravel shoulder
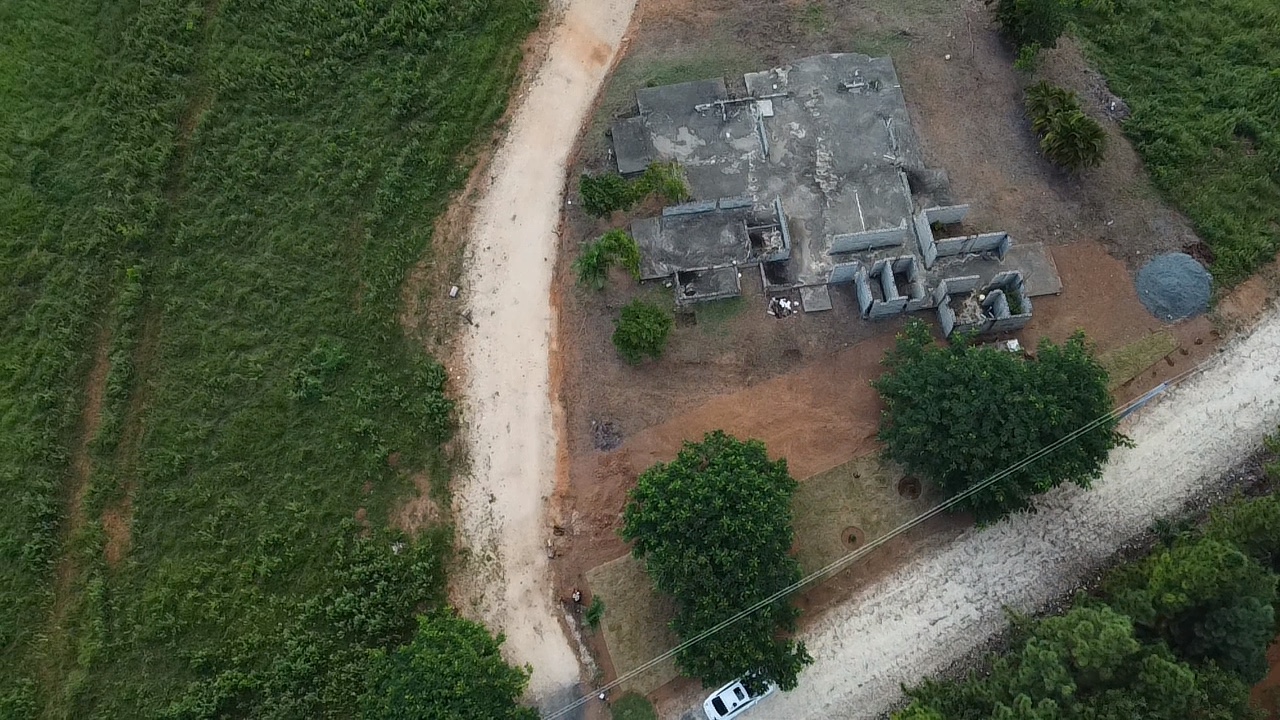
(949, 603)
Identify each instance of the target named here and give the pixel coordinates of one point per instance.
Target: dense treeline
(1179, 635)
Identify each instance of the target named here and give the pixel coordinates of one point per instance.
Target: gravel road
(500, 505)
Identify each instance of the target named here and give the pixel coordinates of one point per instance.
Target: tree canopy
(714, 529)
(451, 670)
(1085, 665)
(957, 415)
(1206, 599)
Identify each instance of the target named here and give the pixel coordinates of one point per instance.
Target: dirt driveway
(500, 504)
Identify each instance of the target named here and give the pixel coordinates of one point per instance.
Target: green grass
(1201, 81)
(632, 707)
(637, 627)
(714, 316)
(236, 191)
(862, 494)
(1125, 363)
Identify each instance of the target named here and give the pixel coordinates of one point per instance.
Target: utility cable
(839, 563)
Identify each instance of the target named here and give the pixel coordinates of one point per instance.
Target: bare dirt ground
(800, 384)
(510, 428)
(940, 607)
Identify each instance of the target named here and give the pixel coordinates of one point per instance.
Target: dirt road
(500, 506)
(944, 605)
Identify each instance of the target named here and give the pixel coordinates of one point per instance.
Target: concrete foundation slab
(631, 147)
(1039, 272)
(815, 298)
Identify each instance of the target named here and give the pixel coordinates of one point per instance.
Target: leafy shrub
(1074, 140)
(1068, 137)
(451, 669)
(1207, 599)
(665, 181)
(1043, 100)
(595, 612)
(1253, 526)
(1033, 22)
(603, 194)
(592, 265)
(1028, 58)
(642, 331)
(1088, 664)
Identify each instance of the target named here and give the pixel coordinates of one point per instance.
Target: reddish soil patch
(116, 525)
(1098, 296)
(1266, 694)
(67, 570)
(416, 512)
(117, 517)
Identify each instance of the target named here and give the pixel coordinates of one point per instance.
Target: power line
(838, 564)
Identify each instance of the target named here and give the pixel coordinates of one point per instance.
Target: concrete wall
(689, 208)
(733, 203)
(785, 253)
(887, 308)
(1005, 284)
(883, 271)
(962, 285)
(986, 242)
(869, 239)
(862, 286)
(928, 248)
(939, 296)
(946, 318)
(946, 214)
(843, 272)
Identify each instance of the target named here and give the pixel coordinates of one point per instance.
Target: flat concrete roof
(691, 242)
(831, 139)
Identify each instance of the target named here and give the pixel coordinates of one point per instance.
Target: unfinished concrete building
(811, 173)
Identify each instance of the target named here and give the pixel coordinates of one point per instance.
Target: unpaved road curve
(941, 607)
(500, 506)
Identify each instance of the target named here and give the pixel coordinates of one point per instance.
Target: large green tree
(714, 529)
(1207, 599)
(1085, 665)
(960, 414)
(451, 670)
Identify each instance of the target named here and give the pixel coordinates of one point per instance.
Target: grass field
(221, 200)
(1201, 80)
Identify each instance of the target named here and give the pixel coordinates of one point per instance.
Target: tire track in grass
(117, 516)
(67, 567)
